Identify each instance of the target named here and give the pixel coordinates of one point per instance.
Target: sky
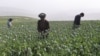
(55, 9)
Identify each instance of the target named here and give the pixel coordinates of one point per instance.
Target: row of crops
(22, 39)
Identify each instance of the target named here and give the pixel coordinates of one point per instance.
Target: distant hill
(57, 16)
(6, 11)
(17, 19)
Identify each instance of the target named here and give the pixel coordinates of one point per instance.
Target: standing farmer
(77, 20)
(9, 23)
(43, 26)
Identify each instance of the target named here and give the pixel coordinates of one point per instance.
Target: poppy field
(22, 39)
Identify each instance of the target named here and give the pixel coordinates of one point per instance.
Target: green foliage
(22, 39)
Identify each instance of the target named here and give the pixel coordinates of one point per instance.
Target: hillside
(16, 18)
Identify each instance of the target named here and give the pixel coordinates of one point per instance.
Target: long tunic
(77, 20)
(42, 25)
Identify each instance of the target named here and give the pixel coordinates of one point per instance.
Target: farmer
(9, 23)
(77, 20)
(43, 26)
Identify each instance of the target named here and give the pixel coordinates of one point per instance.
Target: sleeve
(75, 19)
(38, 26)
(48, 26)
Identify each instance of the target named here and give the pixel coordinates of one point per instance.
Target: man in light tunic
(9, 23)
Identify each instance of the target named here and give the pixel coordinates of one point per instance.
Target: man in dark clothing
(77, 20)
(43, 25)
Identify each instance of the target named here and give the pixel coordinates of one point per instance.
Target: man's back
(77, 20)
